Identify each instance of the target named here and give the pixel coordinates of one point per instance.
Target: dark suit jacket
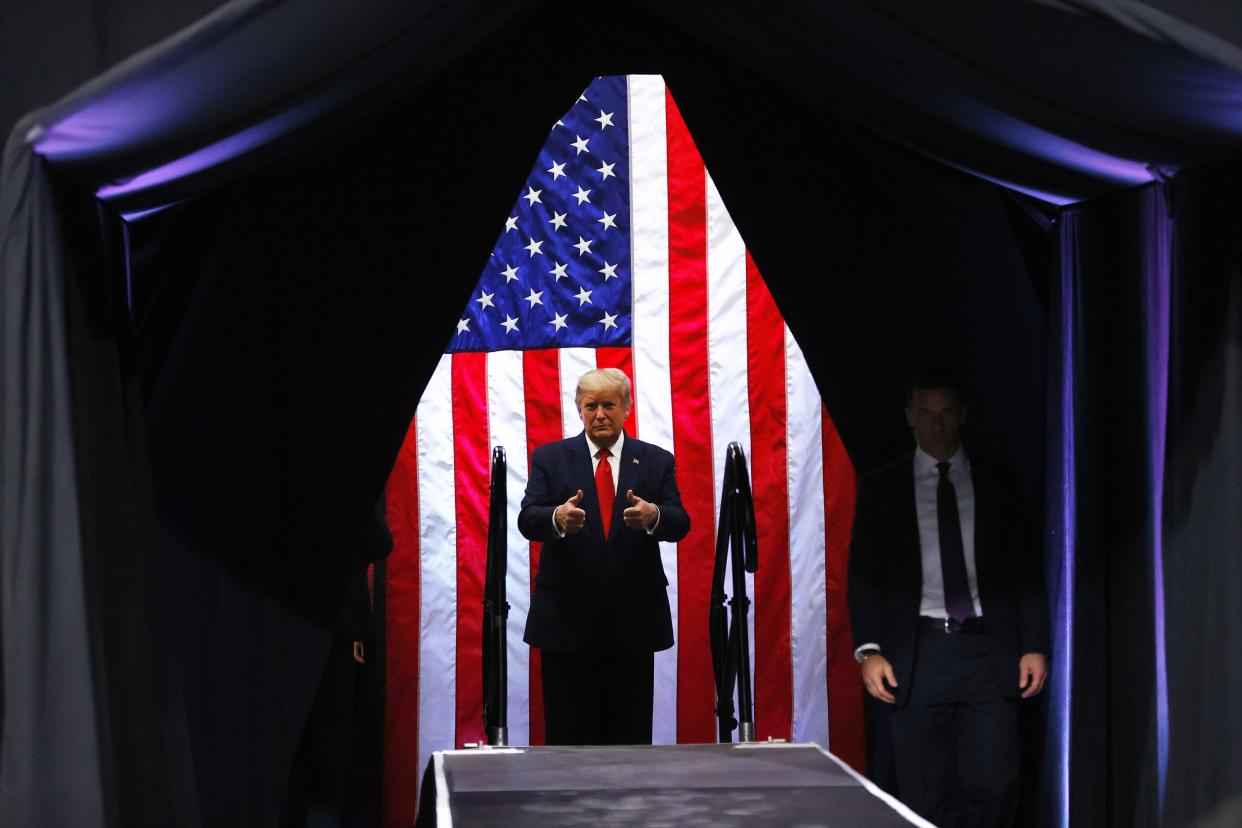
(584, 581)
(886, 571)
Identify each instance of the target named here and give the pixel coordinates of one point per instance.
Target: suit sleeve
(865, 577)
(538, 504)
(674, 522)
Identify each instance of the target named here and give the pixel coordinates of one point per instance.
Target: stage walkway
(764, 784)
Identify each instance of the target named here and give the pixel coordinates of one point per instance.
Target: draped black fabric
(201, 403)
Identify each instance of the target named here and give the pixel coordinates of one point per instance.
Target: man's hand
(360, 652)
(875, 671)
(1032, 673)
(569, 517)
(640, 514)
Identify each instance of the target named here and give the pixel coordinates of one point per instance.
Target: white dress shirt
(926, 479)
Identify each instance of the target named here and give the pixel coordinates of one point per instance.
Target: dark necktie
(604, 488)
(957, 600)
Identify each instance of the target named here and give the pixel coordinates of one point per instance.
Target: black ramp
(674, 785)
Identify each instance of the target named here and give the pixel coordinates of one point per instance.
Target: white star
(558, 321)
(580, 144)
(510, 223)
(582, 97)
(557, 220)
(532, 196)
(606, 170)
(534, 247)
(558, 272)
(604, 119)
(583, 296)
(609, 320)
(485, 300)
(510, 324)
(609, 271)
(609, 220)
(534, 298)
(560, 123)
(584, 245)
(582, 195)
(463, 325)
(557, 170)
(510, 273)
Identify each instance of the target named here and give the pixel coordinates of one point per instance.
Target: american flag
(620, 252)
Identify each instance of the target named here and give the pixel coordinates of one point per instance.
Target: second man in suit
(948, 611)
(600, 502)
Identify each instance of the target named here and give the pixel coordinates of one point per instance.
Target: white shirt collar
(925, 464)
(615, 449)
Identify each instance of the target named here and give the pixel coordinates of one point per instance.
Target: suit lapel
(631, 465)
(583, 472)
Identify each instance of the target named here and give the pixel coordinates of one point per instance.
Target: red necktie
(604, 488)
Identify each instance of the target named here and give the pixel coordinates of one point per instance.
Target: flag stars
(608, 220)
(583, 296)
(511, 223)
(604, 119)
(584, 245)
(559, 271)
(583, 196)
(558, 322)
(510, 273)
(463, 326)
(609, 271)
(606, 170)
(557, 221)
(535, 247)
(557, 170)
(510, 324)
(534, 298)
(532, 196)
(609, 320)
(580, 145)
(485, 300)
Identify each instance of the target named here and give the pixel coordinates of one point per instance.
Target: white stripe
(574, 363)
(649, 270)
(437, 539)
(727, 367)
(506, 417)
(808, 624)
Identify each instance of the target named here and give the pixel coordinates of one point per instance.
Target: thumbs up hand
(570, 518)
(640, 514)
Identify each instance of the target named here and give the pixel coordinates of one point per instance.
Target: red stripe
(401, 624)
(541, 370)
(692, 426)
(765, 347)
(622, 358)
(845, 712)
(470, 469)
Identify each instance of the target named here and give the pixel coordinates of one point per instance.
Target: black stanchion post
(496, 610)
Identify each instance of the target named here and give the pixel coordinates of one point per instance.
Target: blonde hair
(604, 379)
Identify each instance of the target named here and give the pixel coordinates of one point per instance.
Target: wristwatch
(861, 655)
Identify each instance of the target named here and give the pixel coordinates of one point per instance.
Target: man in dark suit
(600, 502)
(948, 611)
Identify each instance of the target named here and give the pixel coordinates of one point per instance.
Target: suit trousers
(955, 740)
(599, 695)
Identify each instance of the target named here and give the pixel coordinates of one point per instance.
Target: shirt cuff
(865, 650)
(556, 528)
(651, 531)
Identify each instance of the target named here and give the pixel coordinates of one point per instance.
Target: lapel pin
(635, 461)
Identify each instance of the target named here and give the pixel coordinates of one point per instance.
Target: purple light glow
(209, 156)
(1003, 128)
(1158, 274)
(1063, 536)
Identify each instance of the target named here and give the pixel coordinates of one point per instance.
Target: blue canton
(559, 276)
